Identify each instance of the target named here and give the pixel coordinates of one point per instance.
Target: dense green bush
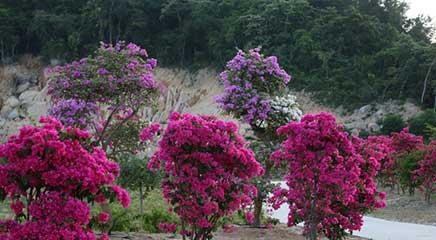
(420, 123)
(131, 220)
(391, 123)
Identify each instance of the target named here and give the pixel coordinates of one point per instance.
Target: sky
(426, 7)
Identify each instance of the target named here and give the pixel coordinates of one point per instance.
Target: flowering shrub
(148, 133)
(207, 171)
(117, 75)
(167, 227)
(105, 93)
(381, 148)
(247, 78)
(405, 142)
(409, 151)
(56, 172)
(372, 152)
(283, 110)
(426, 173)
(326, 177)
(252, 83)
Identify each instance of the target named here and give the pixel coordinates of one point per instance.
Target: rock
(5, 111)
(373, 127)
(380, 114)
(37, 110)
(22, 87)
(28, 97)
(365, 109)
(12, 102)
(355, 132)
(55, 62)
(13, 114)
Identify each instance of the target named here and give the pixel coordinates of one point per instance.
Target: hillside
(347, 53)
(24, 98)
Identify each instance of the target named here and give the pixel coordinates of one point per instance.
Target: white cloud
(425, 7)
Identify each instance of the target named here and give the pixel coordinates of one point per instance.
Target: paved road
(379, 229)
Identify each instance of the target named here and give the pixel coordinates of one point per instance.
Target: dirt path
(279, 232)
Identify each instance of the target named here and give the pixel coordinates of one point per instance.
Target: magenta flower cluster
(148, 133)
(247, 79)
(47, 173)
(167, 227)
(381, 148)
(207, 171)
(330, 184)
(119, 76)
(405, 142)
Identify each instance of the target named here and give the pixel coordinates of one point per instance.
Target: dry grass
(405, 208)
(6, 82)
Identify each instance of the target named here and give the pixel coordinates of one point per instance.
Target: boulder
(12, 102)
(380, 114)
(365, 110)
(22, 87)
(13, 114)
(37, 109)
(373, 127)
(28, 97)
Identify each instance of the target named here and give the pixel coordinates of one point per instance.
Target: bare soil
(405, 208)
(279, 232)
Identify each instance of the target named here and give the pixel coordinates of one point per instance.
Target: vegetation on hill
(349, 52)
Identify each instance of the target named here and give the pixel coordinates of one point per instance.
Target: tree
(207, 171)
(420, 122)
(105, 93)
(392, 123)
(135, 176)
(253, 84)
(326, 178)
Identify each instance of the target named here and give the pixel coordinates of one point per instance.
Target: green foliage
(365, 134)
(419, 123)
(131, 220)
(405, 171)
(348, 52)
(431, 132)
(135, 174)
(392, 123)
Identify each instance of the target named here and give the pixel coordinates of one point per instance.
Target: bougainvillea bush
(253, 93)
(426, 172)
(105, 92)
(50, 174)
(248, 77)
(120, 76)
(326, 178)
(409, 151)
(381, 148)
(207, 171)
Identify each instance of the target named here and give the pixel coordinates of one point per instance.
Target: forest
(347, 52)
